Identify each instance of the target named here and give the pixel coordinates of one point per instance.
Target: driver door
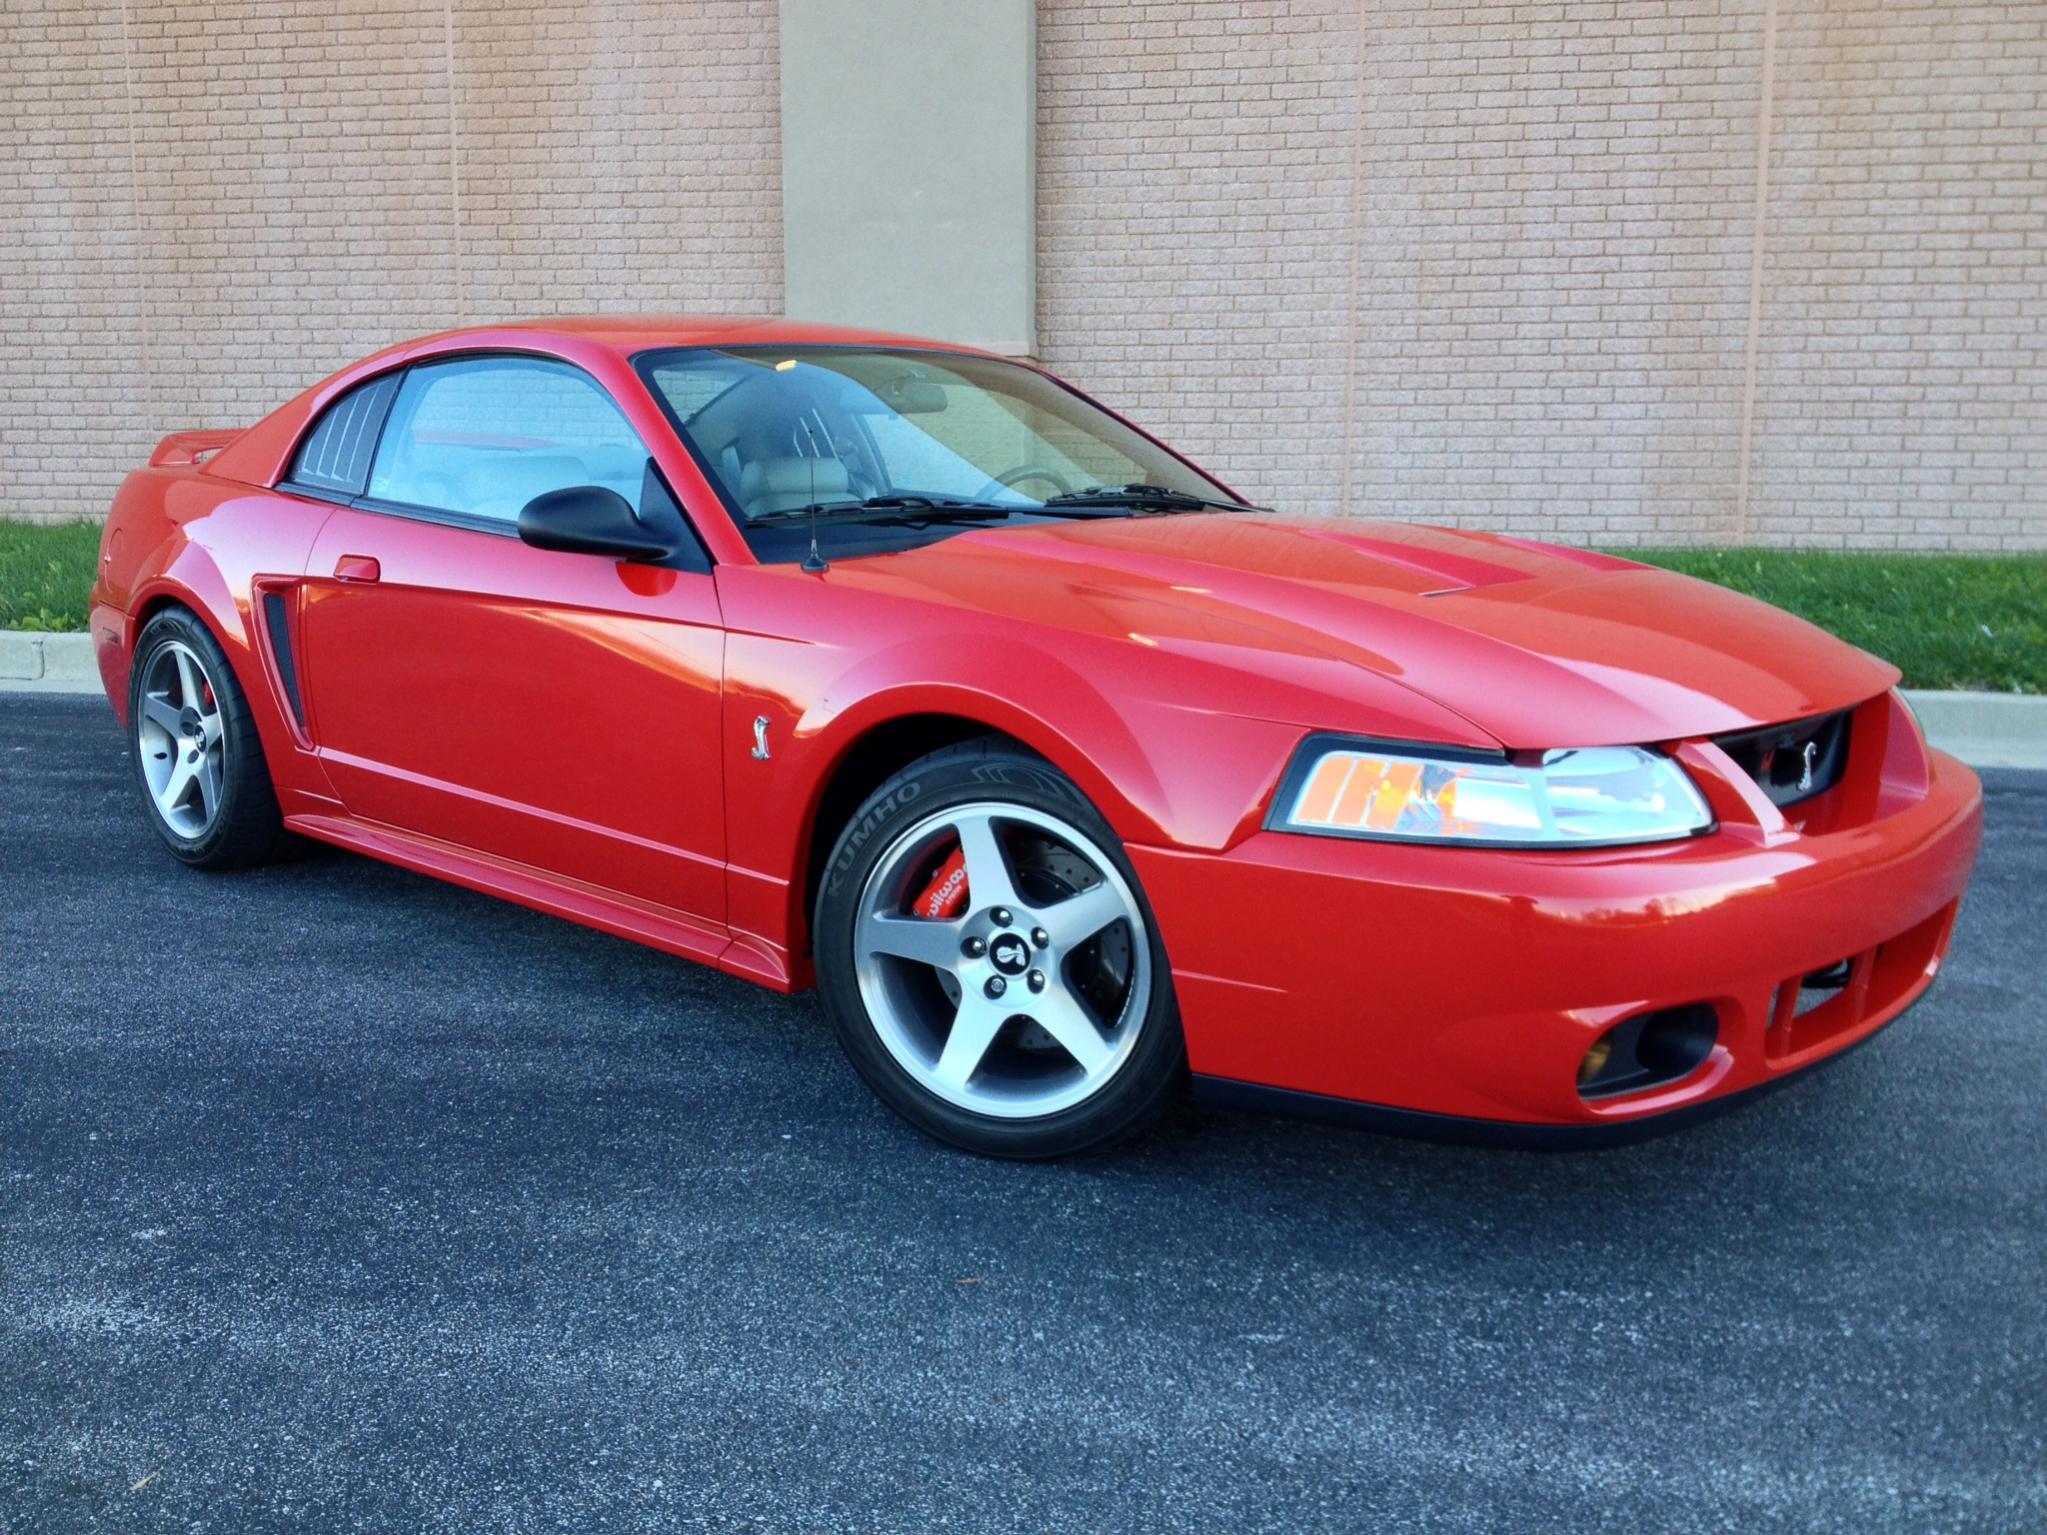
(557, 711)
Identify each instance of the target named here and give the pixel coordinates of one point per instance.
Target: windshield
(780, 430)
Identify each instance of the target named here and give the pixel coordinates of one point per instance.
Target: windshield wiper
(893, 511)
(1149, 498)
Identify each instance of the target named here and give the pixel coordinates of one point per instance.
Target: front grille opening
(1813, 1007)
(1649, 1050)
(1795, 762)
(1814, 990)
(1810, 1009)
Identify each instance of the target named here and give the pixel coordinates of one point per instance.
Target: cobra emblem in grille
(1794, 761)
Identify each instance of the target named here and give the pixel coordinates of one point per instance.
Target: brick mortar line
(1751, 362)
(1359, 106)
(454, 160)
(143, 314)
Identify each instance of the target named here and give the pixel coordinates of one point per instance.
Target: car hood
(1535, 645)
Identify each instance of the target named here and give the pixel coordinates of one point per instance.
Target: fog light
(1595, 1061)
(1648, 1050)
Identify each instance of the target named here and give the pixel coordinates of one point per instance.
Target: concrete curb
(1983, 729)
(47, 663)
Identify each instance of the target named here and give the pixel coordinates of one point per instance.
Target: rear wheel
(204, 781)
(990, 961)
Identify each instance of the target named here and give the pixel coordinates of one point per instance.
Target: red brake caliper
(946, 896)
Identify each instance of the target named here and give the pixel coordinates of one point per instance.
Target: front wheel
(991, 964)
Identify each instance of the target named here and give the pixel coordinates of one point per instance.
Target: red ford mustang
(818, 655)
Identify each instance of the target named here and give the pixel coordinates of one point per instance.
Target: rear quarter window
(335, 455)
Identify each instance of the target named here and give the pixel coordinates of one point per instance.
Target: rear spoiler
(190, 449)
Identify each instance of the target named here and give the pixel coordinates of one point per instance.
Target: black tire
(247, 828)
(1149, 1081)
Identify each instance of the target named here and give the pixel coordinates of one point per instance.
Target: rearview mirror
(588, 519)
(909, 394)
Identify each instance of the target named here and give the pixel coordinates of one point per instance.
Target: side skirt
(622, 916)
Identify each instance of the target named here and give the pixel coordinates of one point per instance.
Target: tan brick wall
(1491, 264)
(1194, 224)
(1497, 265)
(71, 400)
(1901, 396)
(302, 192)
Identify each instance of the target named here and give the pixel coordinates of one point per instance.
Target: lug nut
(1041, 938)
(973, 948)
(996, 986)
(1035, 980)
(1000, 916)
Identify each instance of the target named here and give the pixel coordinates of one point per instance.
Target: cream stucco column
(909, 167)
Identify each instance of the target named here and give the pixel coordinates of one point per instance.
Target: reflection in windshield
(782, 430)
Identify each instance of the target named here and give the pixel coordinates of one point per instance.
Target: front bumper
(1468, 984)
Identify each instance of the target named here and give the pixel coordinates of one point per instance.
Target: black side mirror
(588, 519)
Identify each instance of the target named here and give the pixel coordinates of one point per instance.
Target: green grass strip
(45, 573)
(1945, 620)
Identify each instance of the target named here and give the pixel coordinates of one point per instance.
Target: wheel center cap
(189, 726)
(1009, 954)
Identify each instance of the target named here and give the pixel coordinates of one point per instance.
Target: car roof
(628, 333)
(258, 454)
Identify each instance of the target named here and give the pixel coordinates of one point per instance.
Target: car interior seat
(779, 484)
(502, 483)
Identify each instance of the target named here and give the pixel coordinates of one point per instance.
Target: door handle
(357, 567)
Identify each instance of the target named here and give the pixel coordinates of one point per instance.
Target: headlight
(1575, 797)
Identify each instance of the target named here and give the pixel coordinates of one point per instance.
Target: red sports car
(825, 656)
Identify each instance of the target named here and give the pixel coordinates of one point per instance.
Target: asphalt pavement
(335, 1198)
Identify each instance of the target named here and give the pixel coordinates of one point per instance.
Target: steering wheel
(1010, 478)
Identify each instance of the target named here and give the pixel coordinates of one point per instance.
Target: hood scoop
(1443, 570)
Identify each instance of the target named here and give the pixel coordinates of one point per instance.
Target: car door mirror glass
(590, 519)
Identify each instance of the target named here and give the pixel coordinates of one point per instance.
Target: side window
(335, 455)
(485, 435)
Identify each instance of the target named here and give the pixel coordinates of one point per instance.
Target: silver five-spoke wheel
(1028, 993)
(178, 736)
